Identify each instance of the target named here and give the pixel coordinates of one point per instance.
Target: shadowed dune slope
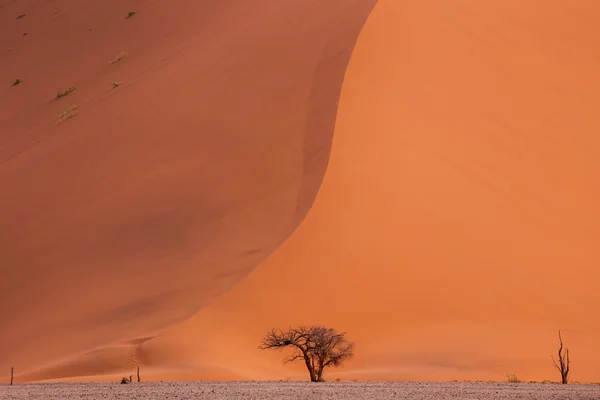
(165, 188)
(457, 226)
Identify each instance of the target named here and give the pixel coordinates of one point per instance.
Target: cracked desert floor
(179, 177)
(297, 391)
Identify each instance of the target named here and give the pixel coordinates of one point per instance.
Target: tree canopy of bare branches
(318, 346)
(564, 363)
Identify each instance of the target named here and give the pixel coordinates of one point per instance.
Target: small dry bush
(69, 112)
(118, 57)
(512, 378)
(65, 92)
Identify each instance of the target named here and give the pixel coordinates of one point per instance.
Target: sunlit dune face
(456, 228)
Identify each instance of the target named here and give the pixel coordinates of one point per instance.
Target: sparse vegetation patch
(130, 14)
(118, 57)
(69, 112)
(17, 82)
(116, 84)
(65, 92)
(512, 378)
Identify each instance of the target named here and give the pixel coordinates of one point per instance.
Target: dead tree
(318, 346)
(138, 373)
(564, 363)
(12, 372)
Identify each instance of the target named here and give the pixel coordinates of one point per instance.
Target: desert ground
(292, 391)
(421, 174)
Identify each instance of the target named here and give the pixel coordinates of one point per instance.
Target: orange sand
(455, 230)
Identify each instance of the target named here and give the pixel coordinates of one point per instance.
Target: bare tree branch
(564, 363)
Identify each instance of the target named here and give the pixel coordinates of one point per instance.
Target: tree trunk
(564, 362)
(12, 371)
(319, 373)
(311, 370)
(138, 373)
(313, 375)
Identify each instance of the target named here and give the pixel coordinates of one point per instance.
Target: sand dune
(455, 230)
(168, 189)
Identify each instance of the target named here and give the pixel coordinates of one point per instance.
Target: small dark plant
(17, 82)
(512, 378)
(124, 381)
(130, 14)
(65, 92)
(21, 16)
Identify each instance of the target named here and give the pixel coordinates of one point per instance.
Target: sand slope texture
(454, 232)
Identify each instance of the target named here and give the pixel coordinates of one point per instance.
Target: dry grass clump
(512, 378)
(17, 82)
(65, 92)
(68, 113)
(130, 14)
(118, 57)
